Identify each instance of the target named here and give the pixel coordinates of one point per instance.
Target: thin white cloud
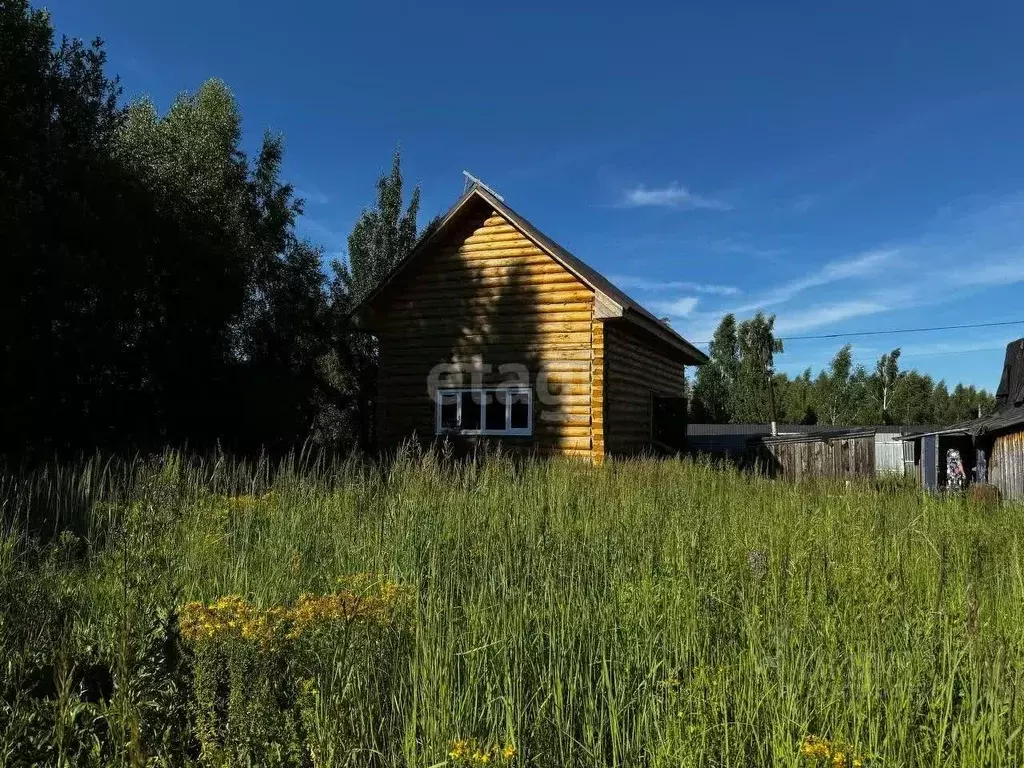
(681, 307)
(974, 344)
(672, 196)
(823, 315)
(642, 284)
(863, 265)
(999, 271)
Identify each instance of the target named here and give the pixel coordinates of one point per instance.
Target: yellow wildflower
(509, 752)
(815, 748)
(459, 749)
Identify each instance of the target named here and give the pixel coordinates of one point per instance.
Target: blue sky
(848, 168)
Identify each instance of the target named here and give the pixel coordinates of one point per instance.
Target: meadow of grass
(428, 613)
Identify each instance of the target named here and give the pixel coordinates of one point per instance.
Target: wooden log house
(489, 330)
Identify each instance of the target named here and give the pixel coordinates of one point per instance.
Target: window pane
(470, 410)
(449, 411)
(495, 410)
(520, 410)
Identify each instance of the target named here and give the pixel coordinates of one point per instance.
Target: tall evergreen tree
(381, 237)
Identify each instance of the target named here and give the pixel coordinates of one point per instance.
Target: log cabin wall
(597, 385)
(635, 369)
(486, 295)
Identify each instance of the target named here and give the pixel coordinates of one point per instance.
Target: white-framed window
(484, 411)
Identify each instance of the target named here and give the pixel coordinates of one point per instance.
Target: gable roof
(1011, 385)
(610, 300)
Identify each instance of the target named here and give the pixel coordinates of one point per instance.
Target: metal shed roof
(806, 429)
(996, 422)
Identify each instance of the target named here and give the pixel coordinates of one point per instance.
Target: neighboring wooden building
(744, 442)
(844, 454)
(991, 447)
(490, 330)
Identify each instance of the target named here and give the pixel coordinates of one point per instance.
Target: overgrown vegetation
(663, 613)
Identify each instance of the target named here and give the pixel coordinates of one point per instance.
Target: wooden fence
(805, 456)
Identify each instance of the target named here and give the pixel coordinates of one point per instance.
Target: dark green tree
(797, 398)
(63, 208)
(754, 393)
(381, 237)
(714, 386)
(154, 290)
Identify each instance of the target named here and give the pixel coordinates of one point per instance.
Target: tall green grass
(655, 613)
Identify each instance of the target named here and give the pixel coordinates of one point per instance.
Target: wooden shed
(991, 447)
(489, 330)
(840, 454)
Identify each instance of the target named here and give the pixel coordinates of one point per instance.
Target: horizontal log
(511, 303)
(393, 325)
(556, 389)
(478, 271)
(499, 295)
(502, 279)
(470, 365)
(618, 419)
(532, 357)
(651, 380)
(522, 253)
(625, 356)
(511, 234)
(558, 417)
(624, 359)
(534, 322)
(491, 226)
(636, 380)
(394, 366)
(479, 340)
(492, 378)
(544, 429)
(619, 398)
(485, 331)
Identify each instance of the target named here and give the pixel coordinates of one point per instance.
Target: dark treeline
(154, 288)
(734, 386)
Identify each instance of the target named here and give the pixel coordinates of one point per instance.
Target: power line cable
(890, 331)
